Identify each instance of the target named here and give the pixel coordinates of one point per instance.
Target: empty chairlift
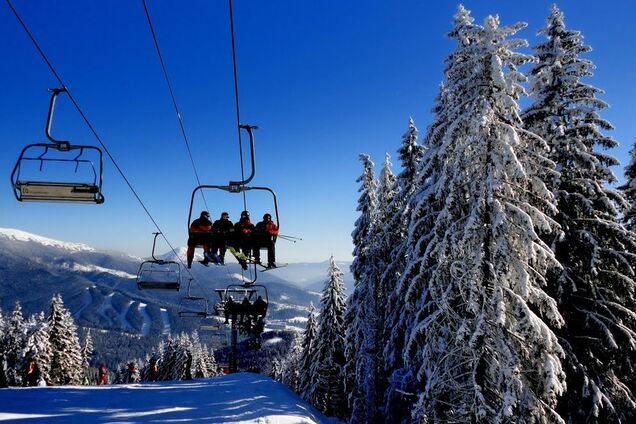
(159, 274)
(58, 171)
(193, 306)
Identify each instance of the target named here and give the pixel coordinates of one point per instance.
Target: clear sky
(325, 80)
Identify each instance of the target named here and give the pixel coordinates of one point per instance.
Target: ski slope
(237, 398)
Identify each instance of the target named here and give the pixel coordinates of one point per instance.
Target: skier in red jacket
(102, 374)
(200, 234)
(265, 234)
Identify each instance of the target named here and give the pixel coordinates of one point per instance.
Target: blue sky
(324, 80)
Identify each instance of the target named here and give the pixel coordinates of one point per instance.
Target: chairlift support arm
(154, 243)
(62, 144)
(250, 131)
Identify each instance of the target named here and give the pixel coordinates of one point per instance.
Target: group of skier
(249, 316)
(243, 238)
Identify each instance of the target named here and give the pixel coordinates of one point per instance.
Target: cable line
(92, 129)
(172, 95)
(236, 97)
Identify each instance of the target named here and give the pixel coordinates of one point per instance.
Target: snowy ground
(237, 398)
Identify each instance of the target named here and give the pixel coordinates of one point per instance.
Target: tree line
(46, 350)
(495, 274)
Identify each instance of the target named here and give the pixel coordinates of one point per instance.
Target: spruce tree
(360, 318)
(291, 364)
(308, 355)
(167, 360)
(629, 191)
(595, 290)
(328, 394)
(199, 364)
(411, 155)
(3, 348)
(87, 352)
(38, 346)
(66, 356)
(479, 341)
(422, 207)
(183, 358)
(210, 362)
(15, 343)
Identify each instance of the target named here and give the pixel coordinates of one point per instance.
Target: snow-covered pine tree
(66, 356)
(87, 352)
(15, 342)
(360, 314)
(210, 361)
(596, 288)
(480, 344)
(38, 346)
(411, 155)
(199, 366)
(276, 369)
(328, 393)
(629, 191)
(167, 360)
(308, 356)
(183, 358)
(421, 211)
(291, 364)
(3, 332)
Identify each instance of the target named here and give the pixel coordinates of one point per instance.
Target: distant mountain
(99, 288)
(312, 276)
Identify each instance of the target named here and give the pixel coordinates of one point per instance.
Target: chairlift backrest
(158, 274)
(43, 187)
(192, 306)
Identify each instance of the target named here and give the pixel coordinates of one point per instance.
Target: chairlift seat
(210, 327)
(158, 285)
(192, 314)
(40, 191)
(167, 277)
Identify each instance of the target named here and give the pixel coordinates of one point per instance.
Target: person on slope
(222, 229)
(200, 234)
(265, 234)
(31, 373)
(132, 376)
(102, 374)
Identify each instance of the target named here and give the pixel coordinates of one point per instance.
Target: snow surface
(165, 317)
(145, 327)
(95, 268)
(237, 398)
(19, 235)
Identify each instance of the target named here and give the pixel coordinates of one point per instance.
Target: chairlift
(238, 292)
(193, 306)
(238, 187)
(211, 323)
(41, 187)
(158, 274)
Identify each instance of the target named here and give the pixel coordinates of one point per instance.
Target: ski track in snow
(88, 299)
(243, 398)
(125, 324)
(145, 327)
(166, 322)
(106, 305)
(121, 316)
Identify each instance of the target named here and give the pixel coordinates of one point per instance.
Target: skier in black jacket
(222, 229)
